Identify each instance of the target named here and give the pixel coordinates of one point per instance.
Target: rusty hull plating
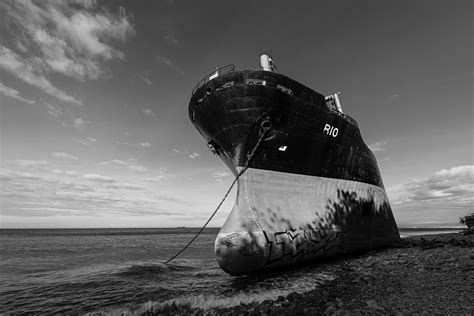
(313, 189)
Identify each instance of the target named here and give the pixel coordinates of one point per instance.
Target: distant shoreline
(444, 228)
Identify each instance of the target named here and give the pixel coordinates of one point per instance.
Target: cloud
(80, 123)
(12, 93)
(54, 193)
(98, 178)
(393, 97)
(194, 155)
(181, 152)
(142, 144)
(138, 168)
(131, 164)
(26, 163)
(171, 39)
(220, 175)
(161, 175)
(67, 118)
(30, 72)
(63, 156)
(54, 110)
(378, 146)
(113, 162)
(70, 173)
(127, 186)
(167, 62)
(10, 175)
(169, 33)
(445, 189)
(148, 112)
(88, 141)
(71, 38)
(144, 77)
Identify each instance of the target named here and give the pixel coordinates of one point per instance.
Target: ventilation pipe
(338, 102)
(333, 101)
(266, 62)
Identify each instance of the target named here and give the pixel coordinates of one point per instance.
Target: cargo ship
(312, 188)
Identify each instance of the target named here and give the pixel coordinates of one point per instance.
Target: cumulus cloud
(98, 178)
(27, 163)
(378, 146)
(73, 39)
(88, 141)
(148, 112)
(31, 73)
(53, 193)
(63, 156)
(70, 173)
(79, 123)
(194, 155)
(144, 77)
(117, 162)
(54, 110)
(12, 93)
(454, 185)
(393, 97)
(167, 62)
(220, 175)
(12, 175)
(181, 152)
(131, 164)
(138, 168)
(160, 175)
(448, 193)
(142, 144)
(170, 36)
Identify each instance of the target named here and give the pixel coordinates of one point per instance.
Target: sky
(94, 128)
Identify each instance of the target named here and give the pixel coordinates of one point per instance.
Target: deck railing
(214, 74)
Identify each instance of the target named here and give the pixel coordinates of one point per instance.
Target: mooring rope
(265, 128)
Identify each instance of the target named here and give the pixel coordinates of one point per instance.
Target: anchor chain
(265, 126)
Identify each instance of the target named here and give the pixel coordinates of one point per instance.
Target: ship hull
(312, 189)
(282, 219)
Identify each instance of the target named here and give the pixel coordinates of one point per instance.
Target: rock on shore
(431, 274)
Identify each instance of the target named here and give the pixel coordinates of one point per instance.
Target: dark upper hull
(231, 118)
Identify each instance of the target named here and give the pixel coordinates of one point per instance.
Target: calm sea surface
(121, 270)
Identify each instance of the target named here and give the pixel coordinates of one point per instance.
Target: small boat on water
(311, 188)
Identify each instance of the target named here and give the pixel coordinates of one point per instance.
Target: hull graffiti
(302, 243)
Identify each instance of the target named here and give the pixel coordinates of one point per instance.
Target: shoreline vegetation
(425, 274)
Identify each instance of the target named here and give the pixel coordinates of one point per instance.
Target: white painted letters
(330, 130)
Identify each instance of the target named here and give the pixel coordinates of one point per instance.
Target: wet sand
(430, 274)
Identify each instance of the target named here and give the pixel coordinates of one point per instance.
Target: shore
(430, 274)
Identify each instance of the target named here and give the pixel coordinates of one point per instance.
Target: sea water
(114, 271)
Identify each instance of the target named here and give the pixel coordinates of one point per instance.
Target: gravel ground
(421, 275)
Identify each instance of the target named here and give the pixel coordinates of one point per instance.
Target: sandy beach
(431, 274)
